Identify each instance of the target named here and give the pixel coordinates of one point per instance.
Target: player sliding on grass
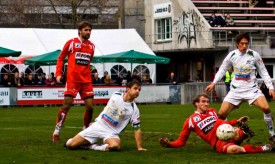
(80, 52)
(119, 111)
(204, 122)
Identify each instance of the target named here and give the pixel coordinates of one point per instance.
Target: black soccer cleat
(248, 132)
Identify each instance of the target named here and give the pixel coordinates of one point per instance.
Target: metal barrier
(191, 90)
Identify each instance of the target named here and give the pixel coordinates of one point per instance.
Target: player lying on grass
(204, 122)
(119, 111)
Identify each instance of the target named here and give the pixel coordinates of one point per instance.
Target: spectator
(129, 77)
(119, 79)
(146, 80)
(229, 23)
(29, 80)
(16, 81)
(212, 20)
(171, 79)
(22, 76)
(50, 81)
(96, 79)
(43, 76)
(135, 76)
(220, 21)
(6, 81)
(104, 76)
(228, 77)
(108, 80)
(53, 75)
(39, 80)
(252, 3)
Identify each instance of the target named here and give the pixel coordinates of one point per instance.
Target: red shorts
(85, 90)
(221, 146)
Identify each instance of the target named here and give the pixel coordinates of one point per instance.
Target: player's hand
(164, 142)
(210, 87)
(141, 149)
(243, 119)
(58, 79)
(271, 93)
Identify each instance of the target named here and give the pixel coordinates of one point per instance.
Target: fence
(190, 90)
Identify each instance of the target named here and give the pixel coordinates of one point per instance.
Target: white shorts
(95, 132)
(236, 98)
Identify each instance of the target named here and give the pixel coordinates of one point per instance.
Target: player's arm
(135, 122)
(182, 139)
(261, 69)
(226, 64)
(138, 138)
(60, 60)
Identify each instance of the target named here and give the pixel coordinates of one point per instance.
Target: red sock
(88, 115)
(61, 116)
(253, 149)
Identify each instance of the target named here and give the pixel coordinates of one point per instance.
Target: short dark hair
(197, 98)
(240, 36)
(132, 83)
(84, 24)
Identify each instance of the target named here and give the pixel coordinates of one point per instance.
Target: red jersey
(79, 56)
(204, 125)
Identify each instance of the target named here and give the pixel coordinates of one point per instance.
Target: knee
(70, 144)
(113, 147)
(222, 116)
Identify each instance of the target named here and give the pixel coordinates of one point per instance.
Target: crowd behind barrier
(181, 93)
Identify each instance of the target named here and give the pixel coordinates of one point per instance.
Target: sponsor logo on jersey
(109, 120)
(197, 118)
(77, 45)
(207, 121)
(82, 58)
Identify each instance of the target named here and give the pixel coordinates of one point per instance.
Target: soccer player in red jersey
(80, 52)
(204, 122)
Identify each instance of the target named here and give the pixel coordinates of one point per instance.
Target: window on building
(8, 69)
(142, 70)
(93, 70)
(117, 70)
(33, 70)
(164, 29)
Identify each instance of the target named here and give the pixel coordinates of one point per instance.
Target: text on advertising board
(32, 94)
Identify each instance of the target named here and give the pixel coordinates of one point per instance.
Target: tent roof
(35, 41)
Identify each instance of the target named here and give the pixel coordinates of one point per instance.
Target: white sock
(266, 148)
(99, 147)
(269, 123)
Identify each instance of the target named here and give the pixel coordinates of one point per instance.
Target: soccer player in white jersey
(244, 86)
(119, 111)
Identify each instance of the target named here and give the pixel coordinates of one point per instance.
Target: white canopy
(35, 41)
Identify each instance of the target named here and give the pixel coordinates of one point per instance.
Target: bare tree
(79, 8)
(58, 13)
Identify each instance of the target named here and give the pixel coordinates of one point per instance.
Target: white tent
(35, 41)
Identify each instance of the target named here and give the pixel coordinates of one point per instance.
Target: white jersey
(245, 66)
(117, 114)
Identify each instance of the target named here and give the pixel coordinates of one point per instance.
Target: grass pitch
(25, 137)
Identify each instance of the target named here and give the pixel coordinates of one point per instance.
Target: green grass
(25, 137)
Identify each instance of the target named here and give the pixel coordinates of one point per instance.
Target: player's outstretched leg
(61, 116)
